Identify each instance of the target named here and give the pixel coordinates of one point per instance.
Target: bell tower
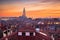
(24, 13)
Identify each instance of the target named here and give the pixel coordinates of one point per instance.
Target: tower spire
(24, 14)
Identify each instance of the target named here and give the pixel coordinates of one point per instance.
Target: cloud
(50, 0)
(30, 0)
(41, 6)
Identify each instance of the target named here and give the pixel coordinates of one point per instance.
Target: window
(34, 34)
(31, 34)
(20, 33)
(37, 29)
(27, 33)
(23, 34)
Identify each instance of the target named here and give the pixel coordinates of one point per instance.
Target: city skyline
(34, 8)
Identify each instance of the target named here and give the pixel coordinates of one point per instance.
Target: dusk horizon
(34, 8)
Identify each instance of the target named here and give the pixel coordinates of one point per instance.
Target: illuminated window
(20, 33)
(37, 29)
(27, 33)
(34, 34)
(57, 22)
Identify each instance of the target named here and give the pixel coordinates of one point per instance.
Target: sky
(34, 8)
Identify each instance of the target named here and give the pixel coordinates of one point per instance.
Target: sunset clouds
(37, 8)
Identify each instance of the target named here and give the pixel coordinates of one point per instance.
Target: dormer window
(26, 33)
(31, 34)
(37, 29)
(34, 34)
(23, 33)
(20, 33)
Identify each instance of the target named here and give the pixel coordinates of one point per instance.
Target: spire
(24, 14)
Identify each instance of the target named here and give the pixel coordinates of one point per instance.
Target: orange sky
(33, 9)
